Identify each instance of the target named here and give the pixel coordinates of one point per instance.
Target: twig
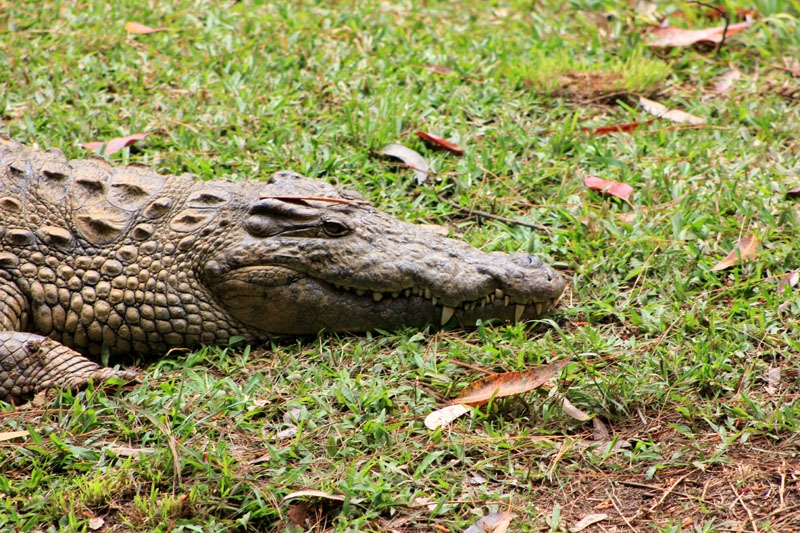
(746, 509)
(723, 15)
(484, 214)
(611, 497)
(668, 492)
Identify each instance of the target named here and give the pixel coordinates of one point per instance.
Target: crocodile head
(301, 257)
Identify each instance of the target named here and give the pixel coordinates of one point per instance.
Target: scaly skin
(95, 257)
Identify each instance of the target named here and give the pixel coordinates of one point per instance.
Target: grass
(672, 357)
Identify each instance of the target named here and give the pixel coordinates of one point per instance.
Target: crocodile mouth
(280, 300)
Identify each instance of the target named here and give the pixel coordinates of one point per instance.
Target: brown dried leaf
(508, 384)
(685, 37)
(114, 145)
(616, 128)
(438, 142)
(411, 158)
(619, 190)
(492, 523)
(744, 250)
(674, 115)
(141, 29)
(96, 523)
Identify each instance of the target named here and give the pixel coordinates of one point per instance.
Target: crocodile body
(121, 260)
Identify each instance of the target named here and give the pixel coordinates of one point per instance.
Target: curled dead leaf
(439, 142)
(673, 115)
(508, 383)
(114, 145)
(612, 188)
(313, 493)
(586, 521)
(666, 37)
(9, 435)
(572, 411)
(140, 29)
(411, 158)
(492, 523)
(442, 417)
(788, 282)
(793, 193)
(745, 250)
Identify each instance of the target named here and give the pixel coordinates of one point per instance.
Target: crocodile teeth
(428, 294)
(518, 310)
(360, 292)
(407, 292)
(447, 314)
(377, 296)
(499, 293)
(395, 294)
(539, 308)
(434, 300)
(507, 301)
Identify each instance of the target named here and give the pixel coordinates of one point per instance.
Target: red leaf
(617, 128)
(685, 37)
(114, 145)
(438, 142)
(619, 190)
(141, 29)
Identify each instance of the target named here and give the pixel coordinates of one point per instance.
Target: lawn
(691, 367)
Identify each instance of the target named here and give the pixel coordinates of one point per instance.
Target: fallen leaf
(9, 435)
(114, 145)
(287, 433)
(793, 193)
(725, 82)
(508, 384)
(422, 501)
(773, 378)
(685, 37)
(442, 417)
(619, 190)
(439, 69)
(600, 430)
(617, 128)
(492, 523)
(141, 29)
(788, 281)
(674, 115)
(587, 521)
(744, 251)
(124, 451)
(792, 65)
(411, 158)
(313, 493)
(439, 142)
(96, 523)
(572, 411)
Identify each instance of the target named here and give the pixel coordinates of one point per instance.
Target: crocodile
(102, 262)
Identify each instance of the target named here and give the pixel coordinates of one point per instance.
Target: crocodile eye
(335, 229)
